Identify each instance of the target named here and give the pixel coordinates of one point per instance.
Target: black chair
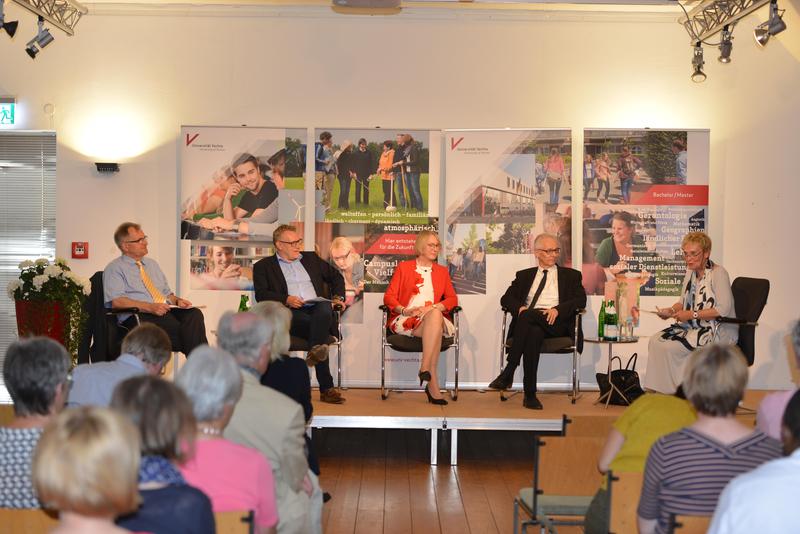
(554, 345)
(299, 344)
(749, 298)
(403, 343)
(102, 336)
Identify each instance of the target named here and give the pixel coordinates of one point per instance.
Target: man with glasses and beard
(296, 278)
(542, 301)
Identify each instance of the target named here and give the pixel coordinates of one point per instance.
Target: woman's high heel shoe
(440, 402)
(424, 376)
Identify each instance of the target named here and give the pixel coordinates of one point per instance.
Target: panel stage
(477, 410)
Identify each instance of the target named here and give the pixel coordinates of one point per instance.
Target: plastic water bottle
(611, 325)
(243, 307)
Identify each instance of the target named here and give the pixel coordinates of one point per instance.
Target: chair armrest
(383, 307)
(337, 306)
(455, 309)
(117, 311)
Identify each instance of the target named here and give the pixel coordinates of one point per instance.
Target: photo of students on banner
(238, 181)
(618, 165)
(374, 175)
(217, 266)
(342, 244)
(632, 236)
(499, 176)
(465, 249)
(386, 245)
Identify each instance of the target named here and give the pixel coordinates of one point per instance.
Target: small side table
(607, 395)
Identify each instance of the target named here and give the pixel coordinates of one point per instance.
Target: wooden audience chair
(624, 490)
(27, 521)
(690, 524)
(565, 479)
(236, 522)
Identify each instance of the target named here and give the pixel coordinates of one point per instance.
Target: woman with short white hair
(233, 476)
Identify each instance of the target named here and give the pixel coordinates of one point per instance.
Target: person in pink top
(770, 411)
(554, 170)
(233, 476)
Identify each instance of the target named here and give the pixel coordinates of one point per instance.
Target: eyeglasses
(298, 243)
(549, 250)
(140, 240)
(342, 258)
(434, 245)
(691, 254)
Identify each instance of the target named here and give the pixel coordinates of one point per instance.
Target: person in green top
(628, 444)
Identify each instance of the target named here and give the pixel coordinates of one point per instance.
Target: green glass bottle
(601, 320)
(243, 307)
(611, 324)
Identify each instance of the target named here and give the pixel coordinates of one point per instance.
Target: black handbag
(625, 379)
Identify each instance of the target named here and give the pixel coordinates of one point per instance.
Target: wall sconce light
(107, 167)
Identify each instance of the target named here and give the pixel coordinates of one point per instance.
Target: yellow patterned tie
(150, 286)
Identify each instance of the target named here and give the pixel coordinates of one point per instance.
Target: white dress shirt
(549, 295)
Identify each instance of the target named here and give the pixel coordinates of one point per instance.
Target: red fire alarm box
(80, 250)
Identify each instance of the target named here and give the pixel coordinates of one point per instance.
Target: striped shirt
(686, 471)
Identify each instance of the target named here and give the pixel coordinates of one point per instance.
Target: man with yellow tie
(133, 281)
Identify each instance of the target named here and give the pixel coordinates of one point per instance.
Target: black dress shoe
(531, 402)
(504, 380)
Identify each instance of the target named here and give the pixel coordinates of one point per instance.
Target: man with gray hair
(145, 350)
(542, 302)
(272, 423)
(772, 407)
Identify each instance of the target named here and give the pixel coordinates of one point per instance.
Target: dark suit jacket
(270, 284)
(571, 296)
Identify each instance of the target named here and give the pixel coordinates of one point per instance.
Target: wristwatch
(694, 315)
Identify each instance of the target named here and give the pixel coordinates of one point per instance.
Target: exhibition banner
(240, 183)
(503, 187)
(386, 245)
(643, 191)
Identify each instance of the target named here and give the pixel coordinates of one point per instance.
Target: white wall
(130, 80)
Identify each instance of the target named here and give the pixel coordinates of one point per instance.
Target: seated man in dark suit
(135, 281)
(296, 279)
(542, 301)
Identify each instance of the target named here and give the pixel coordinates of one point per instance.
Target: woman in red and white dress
(420, 297)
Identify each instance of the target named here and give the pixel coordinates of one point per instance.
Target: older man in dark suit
(542, 301)
(297, 279)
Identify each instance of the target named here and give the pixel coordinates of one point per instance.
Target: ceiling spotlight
(11, 26)
(698, 76)
(726, 45)
(42, 39)
(773, 26)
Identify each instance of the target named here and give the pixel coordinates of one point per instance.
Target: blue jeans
(414, 193)
(399, 197)
(555, 187)
(625, 184)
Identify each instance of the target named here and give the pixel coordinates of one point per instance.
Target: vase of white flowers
(49, 301)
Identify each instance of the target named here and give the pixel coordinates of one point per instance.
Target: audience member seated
(234, 477)
(86, 466)
(145, 350)
(419, 298)
(272, 423)
(36, 374)
(688, 469)
(167, 428)
(625, 451)
(284, 373)
(770, 411)
(135, 281)
(706, 295)
(764, 500)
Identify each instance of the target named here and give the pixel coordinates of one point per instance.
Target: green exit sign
(7, 110)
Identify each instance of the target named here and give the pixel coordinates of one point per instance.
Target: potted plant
(49, 301)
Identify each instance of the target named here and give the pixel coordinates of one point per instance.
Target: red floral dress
(423, 296)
